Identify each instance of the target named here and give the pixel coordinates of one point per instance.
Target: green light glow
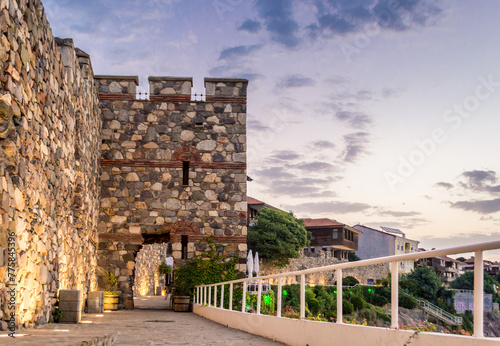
(285, 293)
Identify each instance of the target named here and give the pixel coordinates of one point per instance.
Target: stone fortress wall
(172, 169)
(88, 174)
(49, 164)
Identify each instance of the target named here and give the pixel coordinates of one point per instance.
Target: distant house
(490, 268)
(254, 206)
(386, 242)
(335, 239)
(445, 267)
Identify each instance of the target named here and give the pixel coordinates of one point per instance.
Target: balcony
(301, 331)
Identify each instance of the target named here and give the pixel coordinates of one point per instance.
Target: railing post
(222, 297)
(244, 298)
(259, 296)
(280, 293)
(231, 297)
(478, 293)
(197, 298)
(215, 296)
(394, 295)
(302, 296)
(204, 295)
(339, 296)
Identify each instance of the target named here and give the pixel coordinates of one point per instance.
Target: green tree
(428, 282)
(277, 236)
(461, 259)
(466, 282)
(352, 257)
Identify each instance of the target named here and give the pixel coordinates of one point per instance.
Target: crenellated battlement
(171, 89)
(116, 87)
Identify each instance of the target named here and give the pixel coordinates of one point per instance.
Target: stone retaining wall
(362, 274)
(49, 153)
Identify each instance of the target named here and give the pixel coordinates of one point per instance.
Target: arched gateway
(173, 171)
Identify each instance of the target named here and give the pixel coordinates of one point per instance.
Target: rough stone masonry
(89, 174)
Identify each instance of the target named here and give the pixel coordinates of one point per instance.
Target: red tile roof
(324, 222)
(253, 201)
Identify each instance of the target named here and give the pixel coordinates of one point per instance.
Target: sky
(379, 112)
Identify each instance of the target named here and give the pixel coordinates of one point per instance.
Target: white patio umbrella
(249, 263)
(256, 264)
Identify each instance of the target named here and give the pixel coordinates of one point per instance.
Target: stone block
(71, 317)
(70, 295)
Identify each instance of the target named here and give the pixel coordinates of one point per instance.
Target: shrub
(379, 300)
(347, 307)
(382, 315)
(357, 302)
(407, 302)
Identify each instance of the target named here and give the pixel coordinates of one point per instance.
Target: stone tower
(173, 170)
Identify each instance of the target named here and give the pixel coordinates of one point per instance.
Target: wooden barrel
(111, 302)
(182, 303)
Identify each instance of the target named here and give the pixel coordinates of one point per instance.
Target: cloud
(295, 81)
(406, 14)
(479, 206)
(355, 146)
(444, 185)
(274, 173)
(278, 21)
(336, 80)
(461, 239)
(285, 155)
(402, 224)
(251, 26)
(355, 119)
(257, 125)
(394, 213)
(483, 185)
(332, 207)
(322, 144)
(339, 18)
(281, 182)
(479, 180)
(317, 166)
(238, 51)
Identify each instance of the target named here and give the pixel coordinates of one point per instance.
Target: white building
(386, 242)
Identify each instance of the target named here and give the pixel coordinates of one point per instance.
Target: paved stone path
(150, 324)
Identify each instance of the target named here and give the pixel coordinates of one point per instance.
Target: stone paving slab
(148, 325)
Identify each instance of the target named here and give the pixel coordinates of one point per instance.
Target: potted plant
(207, 268)
(111, 297)
(183, 287)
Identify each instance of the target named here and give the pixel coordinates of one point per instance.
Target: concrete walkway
(149, 324)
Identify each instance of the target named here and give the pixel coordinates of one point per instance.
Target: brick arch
(183, 227)
(186, 154)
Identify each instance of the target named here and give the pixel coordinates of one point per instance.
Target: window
(184, 243)
(335, 233)
(313, 236)
(185, 172)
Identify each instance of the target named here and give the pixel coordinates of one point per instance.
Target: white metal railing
(440, 313)
(436, 311)
(202, 298)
